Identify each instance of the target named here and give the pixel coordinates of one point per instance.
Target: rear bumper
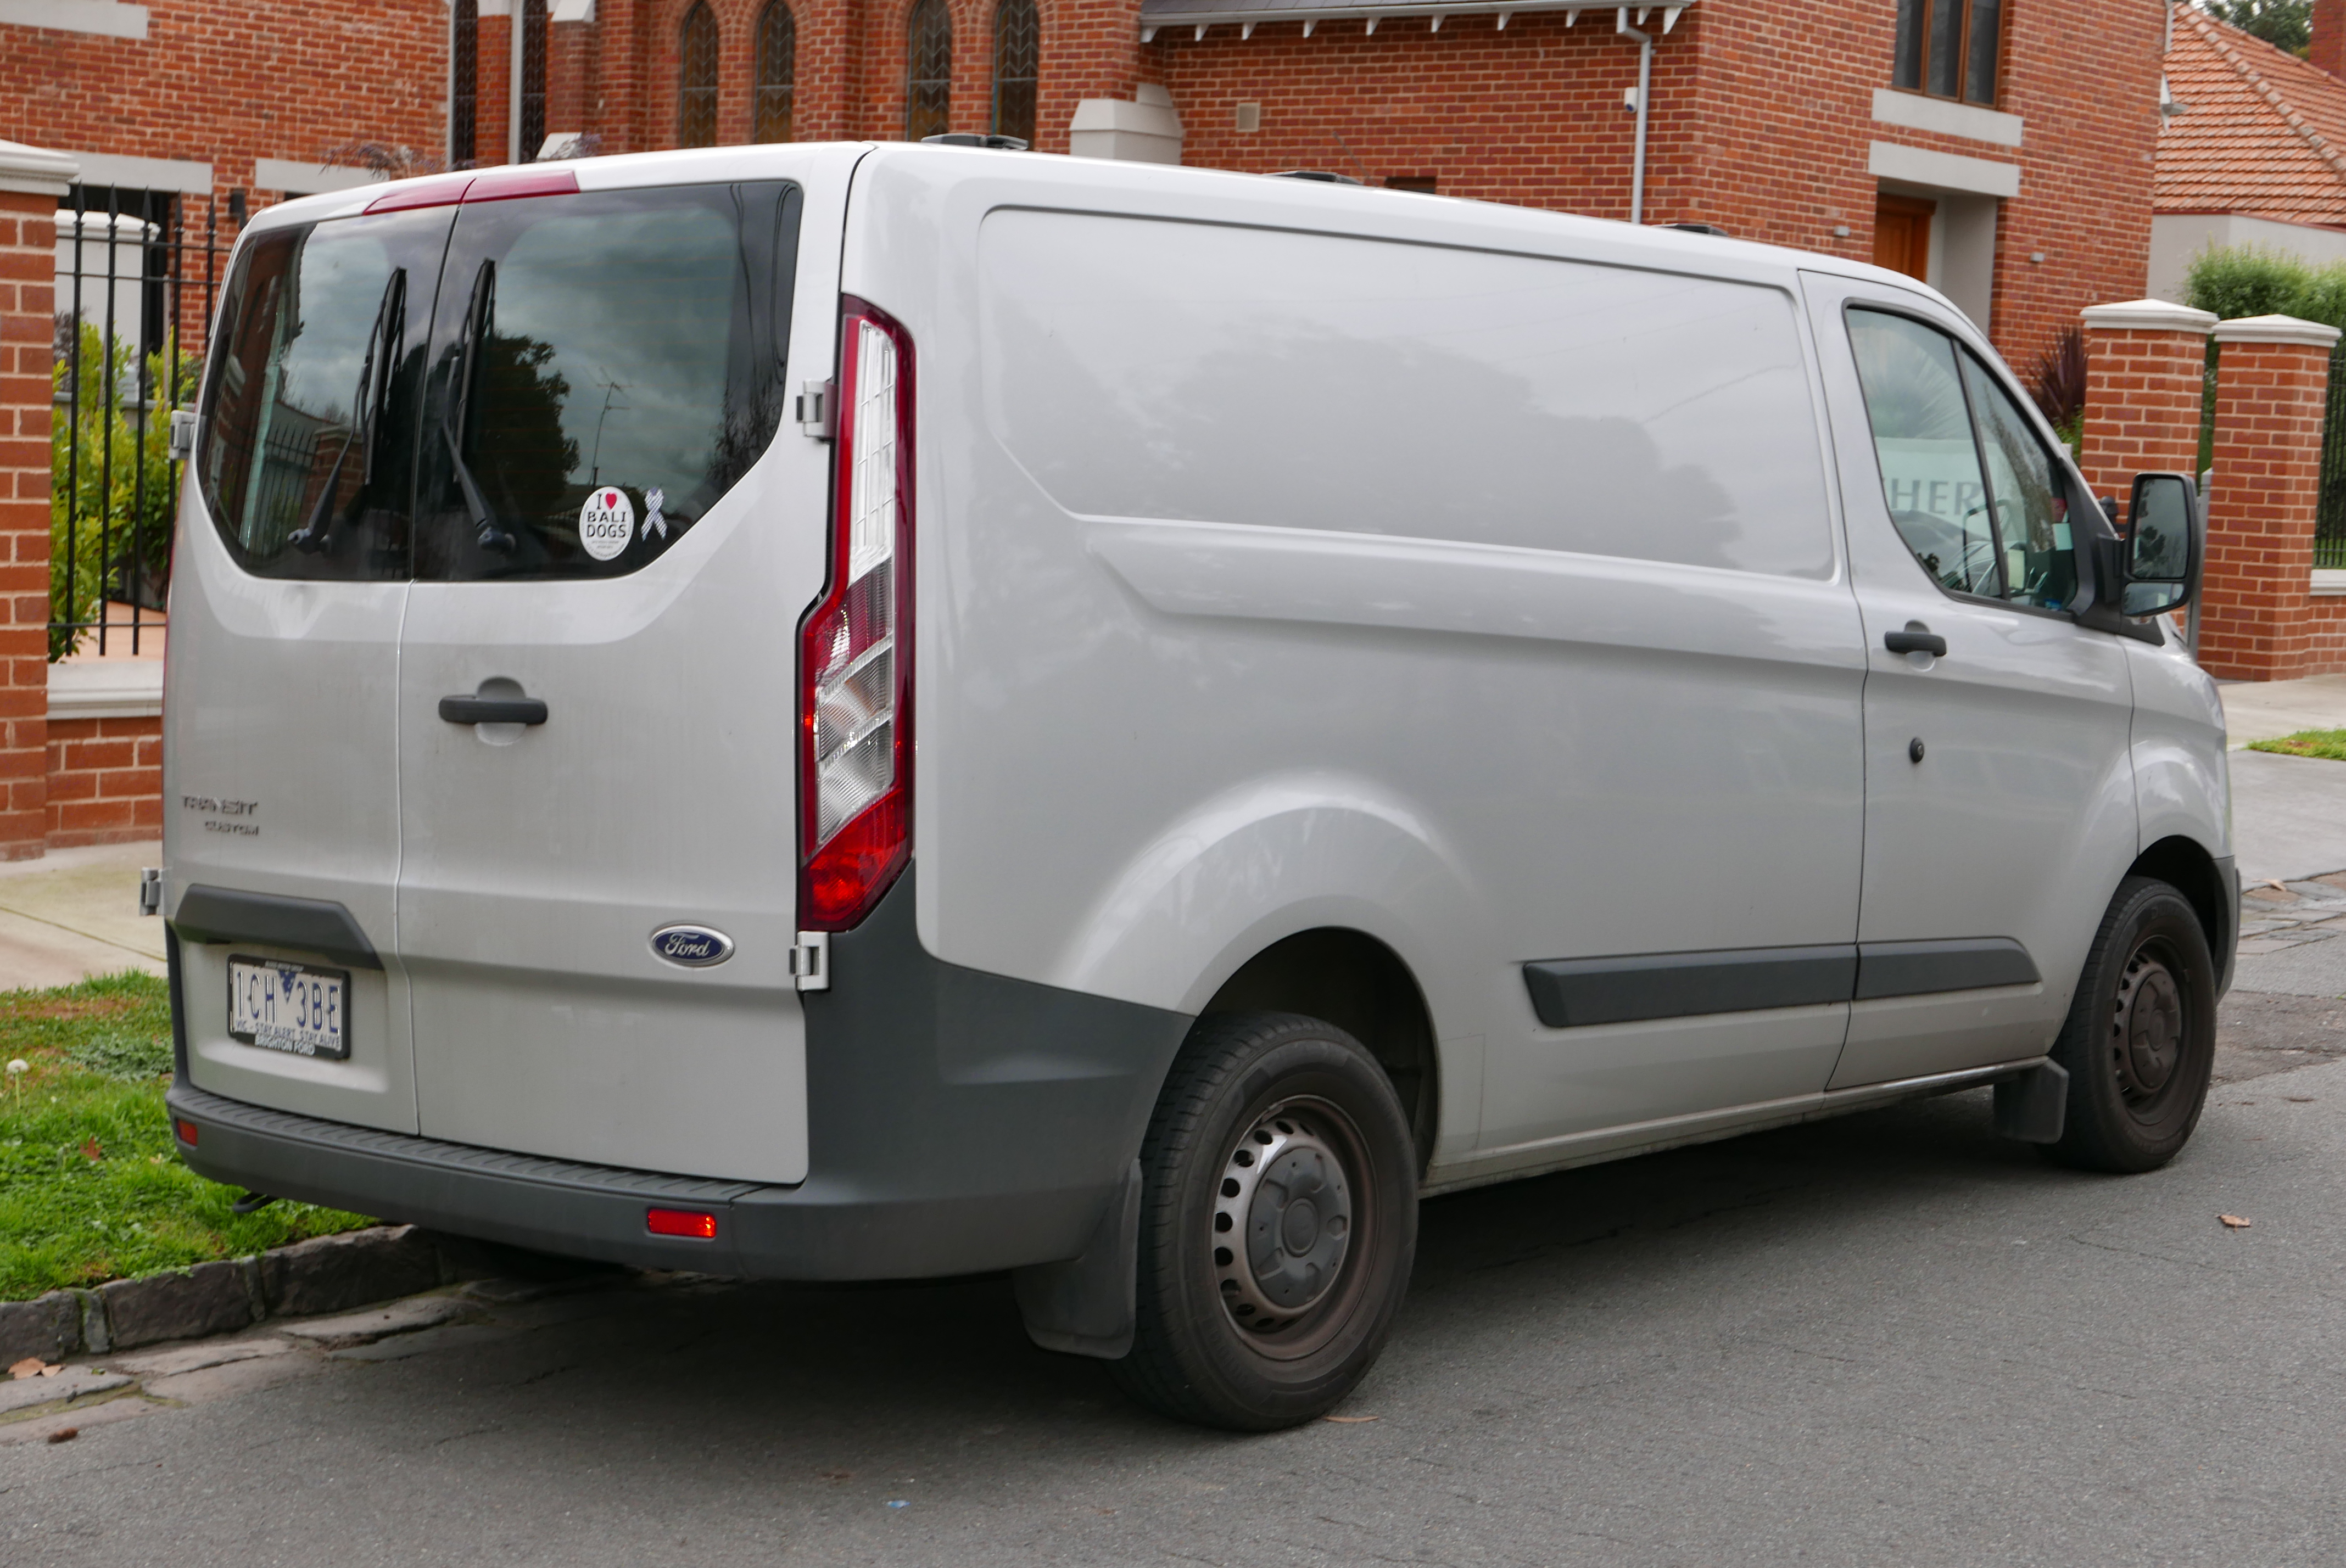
(958, 1123)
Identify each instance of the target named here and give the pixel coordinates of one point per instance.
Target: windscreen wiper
(477, 312)
(375, 372)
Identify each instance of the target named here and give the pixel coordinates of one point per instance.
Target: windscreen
(555, 386)
(605, 366)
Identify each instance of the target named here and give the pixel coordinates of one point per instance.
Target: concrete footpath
(75, 913)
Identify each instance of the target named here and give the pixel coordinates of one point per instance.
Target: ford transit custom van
(870, 712)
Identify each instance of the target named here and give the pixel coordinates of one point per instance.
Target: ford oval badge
(692, 946)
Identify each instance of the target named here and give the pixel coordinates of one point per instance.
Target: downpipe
(1645, 103)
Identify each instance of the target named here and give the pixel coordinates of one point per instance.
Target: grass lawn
(91, 1189)
(2330, 743)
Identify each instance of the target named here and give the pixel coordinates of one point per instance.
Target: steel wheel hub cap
(1282, 1222)
(2146, 1027)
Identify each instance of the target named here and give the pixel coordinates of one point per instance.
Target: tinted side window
(1922, 436)
(2030, 495)
(310, 417)
(1146, 369)
(605, 367)
(1977, 497)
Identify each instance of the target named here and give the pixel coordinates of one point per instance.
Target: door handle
(1911, 642)
(493, 710)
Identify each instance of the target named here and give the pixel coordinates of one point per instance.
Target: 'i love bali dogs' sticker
(606, 522)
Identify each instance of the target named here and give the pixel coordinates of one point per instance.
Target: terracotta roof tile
(2263, 132)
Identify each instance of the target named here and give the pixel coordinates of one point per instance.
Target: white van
(860, 712)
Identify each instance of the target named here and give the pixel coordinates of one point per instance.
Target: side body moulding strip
(1572, 993)
(210, 914)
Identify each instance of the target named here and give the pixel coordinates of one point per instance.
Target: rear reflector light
(855, 666)
(502, 186)
(186, 1129)
(681, 1222)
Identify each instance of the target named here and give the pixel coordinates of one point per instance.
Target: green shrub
(2251, 280)
(111, 490)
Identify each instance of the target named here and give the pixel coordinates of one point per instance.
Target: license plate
(289, 1007)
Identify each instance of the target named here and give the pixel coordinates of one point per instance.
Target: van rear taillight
(855, 665)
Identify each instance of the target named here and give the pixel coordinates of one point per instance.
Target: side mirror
(2162, 546)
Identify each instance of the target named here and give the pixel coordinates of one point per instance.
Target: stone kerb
(2144, 371)
(31, 180)
(2272, 392)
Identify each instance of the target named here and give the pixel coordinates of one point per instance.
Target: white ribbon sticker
(606, 522)
(653, 522)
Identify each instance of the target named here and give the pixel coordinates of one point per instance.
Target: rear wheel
(2140, 1040)
(1279, 1220)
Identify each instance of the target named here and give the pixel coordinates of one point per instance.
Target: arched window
(533, 78)
(778, 67)
(463, 86)
(1017, 48)
(928, 84)
(696, 118)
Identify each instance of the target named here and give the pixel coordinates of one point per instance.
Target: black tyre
(2140, 1040)
(1278, 1224)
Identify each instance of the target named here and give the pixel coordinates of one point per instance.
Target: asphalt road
(1889, 1339)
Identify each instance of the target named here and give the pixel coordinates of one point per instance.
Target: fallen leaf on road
(2298, 1099)
(1347, 1420)
(2234, 1222)
(2275, 886)
(64, 1434)
(30, 1367)
(836, 1475)
(91, 1151)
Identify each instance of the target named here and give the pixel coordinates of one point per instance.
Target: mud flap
(2034, 1108)
(1084, 1307)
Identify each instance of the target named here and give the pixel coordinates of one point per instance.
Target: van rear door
(596, 702)
(281, 831)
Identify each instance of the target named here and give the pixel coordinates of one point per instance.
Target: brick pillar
(31, 180)
(2145, 374)
(2272, 382)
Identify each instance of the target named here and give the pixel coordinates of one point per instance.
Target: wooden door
(1902, 234)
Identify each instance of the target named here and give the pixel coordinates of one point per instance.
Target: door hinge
(183, 435)
(810, 960)
(817, 416)
(150, 891)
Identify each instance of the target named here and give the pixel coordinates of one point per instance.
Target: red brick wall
(104, 781)
(27, 290)
(2143, 395)
(228, 81)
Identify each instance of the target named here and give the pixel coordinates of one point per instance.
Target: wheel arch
(1346, 977)
(2187, 866)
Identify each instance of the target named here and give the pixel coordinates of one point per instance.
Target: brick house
(2253, 150)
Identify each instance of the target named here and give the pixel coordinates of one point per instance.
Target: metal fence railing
(2330, 509)
(137, 273)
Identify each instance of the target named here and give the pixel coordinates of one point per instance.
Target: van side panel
(1203, 665)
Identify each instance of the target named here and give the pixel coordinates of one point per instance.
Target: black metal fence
(2330, 511)
(137, 275)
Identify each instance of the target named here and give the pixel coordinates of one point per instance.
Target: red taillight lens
(504, 184)
(685, 1222)
(186, 1129)
(855, 666)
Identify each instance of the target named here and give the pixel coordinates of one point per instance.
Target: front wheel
(1279, 1220)
(2140, 1039)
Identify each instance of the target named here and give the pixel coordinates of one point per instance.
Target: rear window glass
(551, 387)
(605, 366)
(308, 450)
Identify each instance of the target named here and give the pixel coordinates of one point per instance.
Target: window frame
(1924, 12)
(777, 72)
(2064, 463)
